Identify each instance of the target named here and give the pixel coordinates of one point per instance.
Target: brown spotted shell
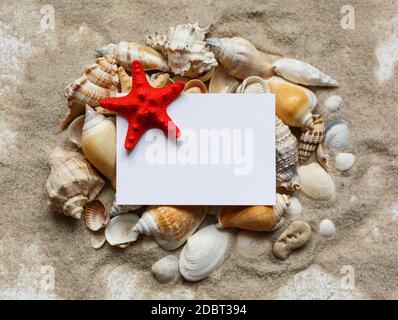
(311, 138)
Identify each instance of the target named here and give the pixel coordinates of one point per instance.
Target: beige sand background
(35, 66)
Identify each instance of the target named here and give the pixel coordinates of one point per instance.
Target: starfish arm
(167, 125)
(169, 93)
(138, 76)
(118, 104)
(133, 135)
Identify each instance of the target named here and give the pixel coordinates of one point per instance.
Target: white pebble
(327, 228)
(333, 103)
(294, 208)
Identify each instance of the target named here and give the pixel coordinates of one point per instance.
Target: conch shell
(72, 183)
(222, 82)
(293, 102)
(255, 218)
(125, 52)
(170, 226)
(240, 58)
(195, 86)
(311, 138)
(99, 143)
(303, 73)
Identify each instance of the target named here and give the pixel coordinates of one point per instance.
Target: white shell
(119, 230)
(344, 161)
(253, 84)
(294, 208)
(327, 228)
(333, 103)
(119, 209)
(252, 243)
(222, 82)
(315, 182)
(302, 73)
(204, 252)
(337, 134)
(75, 131)
(165, 269)
(97, 239)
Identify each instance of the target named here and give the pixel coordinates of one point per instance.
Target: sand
(35, 66)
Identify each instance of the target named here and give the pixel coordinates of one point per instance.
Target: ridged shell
(170, 226)
(95, 215)
(253, 84)
(120, 229)
(295, 208)
(75, 131)
(333, 103)
(71, 183)
(252, 244)
(222, 82)
(195, 86)
(204, 252)
(337, 134)
(303, 73)
(344, 161)
(240, 58)
(99, 143)
(315, 182)
(103, 73)
(165, 269)
(125, 52)
(327, 228)
(293, 102)
(254, 218)
(311, 137)
(120, 209)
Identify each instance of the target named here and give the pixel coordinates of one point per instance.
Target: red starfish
(145, 106)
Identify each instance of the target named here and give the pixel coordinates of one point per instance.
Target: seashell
(311, 137)
(253, 84)
(293, 102)
(71, 183)
(195, 86)
(187, 53)
(337, 134)
(119, 209)
(294, 209)
(344, 161)
(286, 156)
(148, 244)
(99, 143)
(295, 236)
(165, 269)
(222, 82)
(75, 131)
(98, 239)
(125, 52)
(315, 182)
(158, 42)
(120, 229)
(303, 73)
(254, 218)
(253, 244)
(124, 245)
(327, 228)
(160, 80)
(95, 215)
(170, 226)
(204, 252)
(333, 103)
(240, 58)
(322, 157)
(103, 73)
(125, 80)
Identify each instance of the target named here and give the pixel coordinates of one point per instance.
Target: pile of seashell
(212, 65)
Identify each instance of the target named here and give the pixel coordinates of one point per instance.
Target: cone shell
(315, 182)
(253, 85)
(222, 82)
(344, 161)
(240, 58)
(204, 252)
(99, 143)
(195, 86)
(166, 269)
(311, 137)
(71, 183)
(120, 229)
(126, 52)
(95, 215)
(170, 226)
(303, 73)
(293, 102)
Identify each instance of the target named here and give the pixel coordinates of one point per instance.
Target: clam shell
(333, 103)
(195, 86)
(294, 209)
(327, 228)
(95, 215)
(75, 131)
(253, 244)
(97, 239)
(165, 269)
(253, 85)
(344, 161)
(311, 138)
(222, 82)
(203, 253)
(337, 134)
(119, 230)
(315, 182)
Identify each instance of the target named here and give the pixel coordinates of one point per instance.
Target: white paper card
(224, 156)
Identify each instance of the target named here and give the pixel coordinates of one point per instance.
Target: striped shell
(103, 73)
(311, 138)
(315, 182)
(95, 215)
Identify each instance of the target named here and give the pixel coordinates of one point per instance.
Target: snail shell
(103, 73)
(311, 137)
(222, 82)
(315, 182)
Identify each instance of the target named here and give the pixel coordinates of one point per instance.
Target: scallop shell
(333, 103)
(195, 86)
(119, 209)
(170, 226)
(95, 215)
(337, 134)
(75, 131)
(204, 252)
(99, 143)
(71, 183)
(240, 58)
(253, 84)
(98, 239)
(344, 161)
(253, 244)
(254, 218)
(293, 102)
(303, 73)
(120, 229)
(222, 82)
(165, 269)
(125, 52)
(315, 182)
(294, 209)
(327, 228)
(311, 138)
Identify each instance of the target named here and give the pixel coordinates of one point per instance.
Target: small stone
(333, 103)
(327, 228)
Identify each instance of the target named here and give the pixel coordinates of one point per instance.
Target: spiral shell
(311, 138)
(103, 73)
(315, 182)
(253, 84)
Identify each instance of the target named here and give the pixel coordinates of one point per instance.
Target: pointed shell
(120, 229)
(75, 131)
(170, 226)
(222, 82)
(311, 138)
(165, 269)
(303, 73)
(253, 84)
(204, 252)
(95, 215)
(337, 134)
(195, 86)
(315, 182)
(344, 161)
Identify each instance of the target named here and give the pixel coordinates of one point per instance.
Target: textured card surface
(224, 156)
